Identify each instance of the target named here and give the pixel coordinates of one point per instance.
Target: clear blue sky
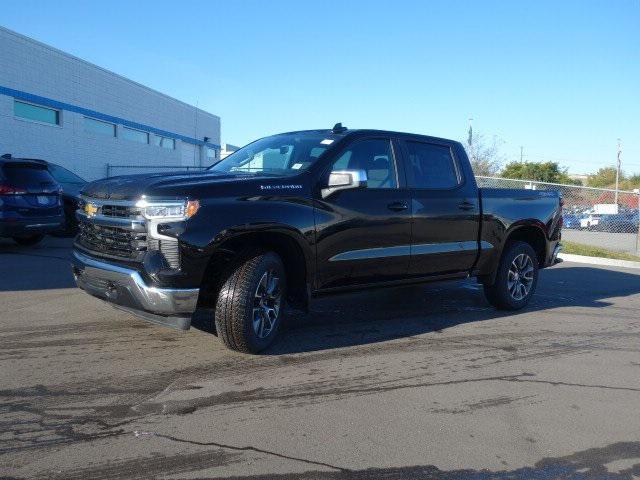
(561, 78)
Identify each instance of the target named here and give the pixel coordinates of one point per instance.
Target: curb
(568, 257)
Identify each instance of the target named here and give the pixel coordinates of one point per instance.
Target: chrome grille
(119, 211)
(118, 229)
(116, 241)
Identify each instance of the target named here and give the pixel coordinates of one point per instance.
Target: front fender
(219, 221)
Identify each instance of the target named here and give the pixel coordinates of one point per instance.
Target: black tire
(29, 241)
(499, 294)
(238, 305)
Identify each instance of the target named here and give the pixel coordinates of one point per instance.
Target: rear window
(20, 175)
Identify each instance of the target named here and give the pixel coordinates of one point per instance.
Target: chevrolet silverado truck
(301, 214)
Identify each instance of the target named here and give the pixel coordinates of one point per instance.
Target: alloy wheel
(266, 306)
(520, 276)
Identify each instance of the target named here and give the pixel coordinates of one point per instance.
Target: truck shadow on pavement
(383, 315)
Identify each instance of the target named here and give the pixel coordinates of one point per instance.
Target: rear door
(445, 208)
(363, 235)
(29, 190)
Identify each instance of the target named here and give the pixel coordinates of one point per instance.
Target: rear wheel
(249, 305)
(28, 241)
(516, 279)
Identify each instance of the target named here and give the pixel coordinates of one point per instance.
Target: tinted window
(135, 135)
(62, 175)
(23, 176)
(36, 112)
(375, 157)
(432, 165)
(92, 125)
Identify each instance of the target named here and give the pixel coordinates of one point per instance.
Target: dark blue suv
(30, 202)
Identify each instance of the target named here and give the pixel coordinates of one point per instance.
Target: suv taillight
(9, 190)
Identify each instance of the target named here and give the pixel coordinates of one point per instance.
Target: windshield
(279, 155)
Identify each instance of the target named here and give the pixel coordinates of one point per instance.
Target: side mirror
(344, 180)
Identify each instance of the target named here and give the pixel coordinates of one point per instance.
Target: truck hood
(165, 185)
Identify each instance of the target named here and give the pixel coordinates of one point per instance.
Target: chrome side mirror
(344, 180)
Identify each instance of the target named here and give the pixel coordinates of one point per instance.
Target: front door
(364, 234)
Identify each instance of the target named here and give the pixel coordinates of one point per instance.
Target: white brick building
(60, 108)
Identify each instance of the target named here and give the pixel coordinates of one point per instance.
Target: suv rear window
(21, 175)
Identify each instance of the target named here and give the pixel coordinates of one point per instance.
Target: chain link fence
(597, 217)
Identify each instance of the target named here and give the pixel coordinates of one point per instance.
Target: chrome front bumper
(126, 288)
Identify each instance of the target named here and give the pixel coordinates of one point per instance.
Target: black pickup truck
(301, 214)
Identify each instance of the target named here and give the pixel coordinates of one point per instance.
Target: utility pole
(521, 154)
(618, 170)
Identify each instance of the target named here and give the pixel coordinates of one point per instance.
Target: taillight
(10, 190)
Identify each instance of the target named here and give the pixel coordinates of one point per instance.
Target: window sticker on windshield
(296, 166)
(326, 141)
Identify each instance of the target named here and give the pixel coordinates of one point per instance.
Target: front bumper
(125, 288)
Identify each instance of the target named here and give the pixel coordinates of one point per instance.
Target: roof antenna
(338, 128)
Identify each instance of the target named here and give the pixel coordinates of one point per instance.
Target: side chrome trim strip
(404, 250)
(369, 253)
(450, 247)
(484, 245)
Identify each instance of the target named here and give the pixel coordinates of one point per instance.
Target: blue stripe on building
(48, 102)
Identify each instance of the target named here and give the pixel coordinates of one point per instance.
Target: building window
(211, 153)
(134, 135)
(164, 142)
(99, 127)
(36, 113)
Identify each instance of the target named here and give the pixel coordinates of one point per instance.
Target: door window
(374, 156)
(432, 166)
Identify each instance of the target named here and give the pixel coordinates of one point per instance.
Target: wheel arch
(288, 244)
(531, 232)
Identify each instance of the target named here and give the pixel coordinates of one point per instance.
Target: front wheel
(249, 305)
(516, 279)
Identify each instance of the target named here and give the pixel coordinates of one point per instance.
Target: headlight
(168, 210)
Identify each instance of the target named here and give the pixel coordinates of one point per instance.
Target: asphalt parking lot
(423, 382)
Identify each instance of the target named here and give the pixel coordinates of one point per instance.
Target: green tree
(540, 171)
(603, 178)
(631, 182)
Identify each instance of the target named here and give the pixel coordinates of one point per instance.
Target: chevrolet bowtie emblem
(90, 209)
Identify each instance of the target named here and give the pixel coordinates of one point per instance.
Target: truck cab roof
(357, 132)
